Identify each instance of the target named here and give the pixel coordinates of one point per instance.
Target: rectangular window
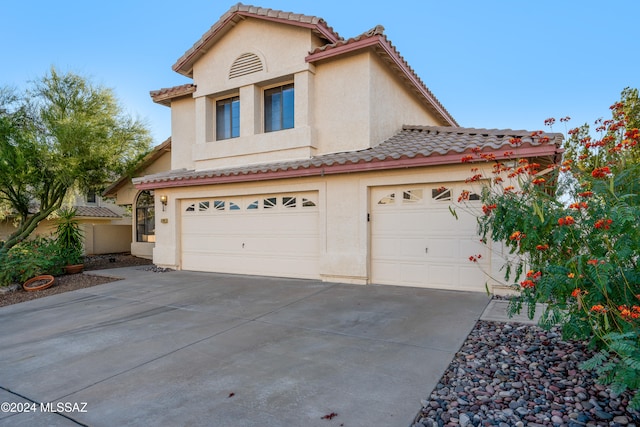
(91, 197)
(278, 108)
(228, 118)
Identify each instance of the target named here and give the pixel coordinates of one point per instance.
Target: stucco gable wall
(342, 104)
(282, 49)
(392, 104)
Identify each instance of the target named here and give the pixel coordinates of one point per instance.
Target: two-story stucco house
(298, 153)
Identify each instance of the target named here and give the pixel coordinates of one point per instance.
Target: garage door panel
(386, 272)
(472, 274)
(409, 273)
(420, 243)
(443, 248)
(287, 245)
(386, 248)
(444, 276)
(278, 240)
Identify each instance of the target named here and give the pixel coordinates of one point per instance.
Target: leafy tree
(62, 133)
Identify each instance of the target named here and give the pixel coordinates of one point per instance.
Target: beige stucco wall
(393, 104)
(107, 238)
(342, 104)
(183, 133)
(343, 206)
(345, 103)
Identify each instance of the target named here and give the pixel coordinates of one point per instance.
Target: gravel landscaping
(521, 375)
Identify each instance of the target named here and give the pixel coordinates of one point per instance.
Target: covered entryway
(269, 235)
(416, 241)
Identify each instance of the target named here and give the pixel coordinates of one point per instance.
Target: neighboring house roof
(414, 146)
(235, 14)
(95, 212)
(377, 40)
(147, 160)
(336, 46)
(164, 96)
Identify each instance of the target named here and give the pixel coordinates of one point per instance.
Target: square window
(228, 118)
(279, 108)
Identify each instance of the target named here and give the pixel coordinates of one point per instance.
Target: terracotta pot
(38, 283)
(74, 269)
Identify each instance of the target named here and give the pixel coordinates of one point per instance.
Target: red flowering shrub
(576, 229)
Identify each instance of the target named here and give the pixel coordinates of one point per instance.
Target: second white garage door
(416, 241)
(270, 235)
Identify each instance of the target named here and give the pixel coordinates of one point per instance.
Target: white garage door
(271, 235)
(416, 241)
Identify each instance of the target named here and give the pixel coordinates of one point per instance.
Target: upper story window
(228, 118)
(278, 108)
(91, 197)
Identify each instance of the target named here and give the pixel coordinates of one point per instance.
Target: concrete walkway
(199, 349)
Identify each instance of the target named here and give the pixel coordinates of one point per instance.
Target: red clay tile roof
(414, 146)
(165, 95)
(95, 212)
(184, 65)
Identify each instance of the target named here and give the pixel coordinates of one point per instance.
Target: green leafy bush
(573, 231)
(29, 259)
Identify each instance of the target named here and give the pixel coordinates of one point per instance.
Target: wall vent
(246, 63)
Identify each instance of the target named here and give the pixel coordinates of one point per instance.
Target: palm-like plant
(69, 237)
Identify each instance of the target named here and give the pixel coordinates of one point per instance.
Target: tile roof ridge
(96, 212)
(281, 14)
(470, 130)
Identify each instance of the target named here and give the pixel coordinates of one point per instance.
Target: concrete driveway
(200, 349)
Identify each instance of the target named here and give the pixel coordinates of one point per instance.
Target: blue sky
(493, 64)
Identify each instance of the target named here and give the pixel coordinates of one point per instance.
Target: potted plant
(69, 239)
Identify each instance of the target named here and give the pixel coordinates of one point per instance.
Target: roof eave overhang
(165, 97)
(184, 65)
(379, 41)
(362, 166)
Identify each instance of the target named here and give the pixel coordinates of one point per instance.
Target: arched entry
(145, 217)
